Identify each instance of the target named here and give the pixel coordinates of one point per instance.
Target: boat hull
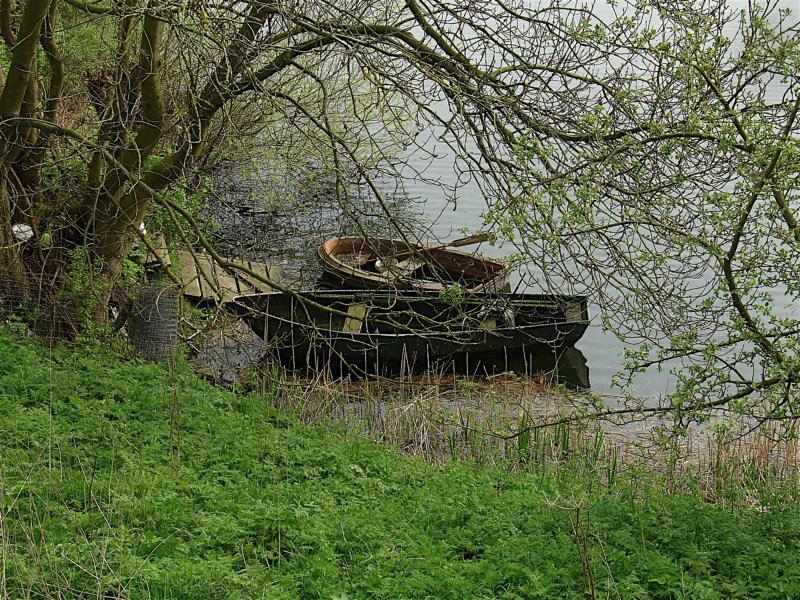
(369, 329)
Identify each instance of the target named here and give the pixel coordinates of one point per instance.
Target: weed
(93, 504)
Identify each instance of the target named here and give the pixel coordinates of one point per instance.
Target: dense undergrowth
(128, 480)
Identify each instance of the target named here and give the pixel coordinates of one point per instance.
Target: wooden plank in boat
(355, 320)
(407, 267)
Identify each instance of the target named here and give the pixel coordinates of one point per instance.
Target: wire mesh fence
(61, 297)
(153, 324)
(36, 294)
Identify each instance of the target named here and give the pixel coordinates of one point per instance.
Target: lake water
(441, 215)
(288, 232)
(602, 350)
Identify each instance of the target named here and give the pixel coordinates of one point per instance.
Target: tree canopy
(163, 85)
(674, 199)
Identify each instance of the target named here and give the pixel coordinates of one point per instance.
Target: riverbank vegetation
(131, 480)
(645, 155)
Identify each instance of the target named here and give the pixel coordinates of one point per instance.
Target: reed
(442, 417)
(488, 419)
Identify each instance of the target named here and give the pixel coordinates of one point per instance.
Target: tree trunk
(13, 280)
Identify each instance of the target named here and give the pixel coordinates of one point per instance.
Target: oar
(476, 238)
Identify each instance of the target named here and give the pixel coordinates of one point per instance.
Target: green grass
(107, 492)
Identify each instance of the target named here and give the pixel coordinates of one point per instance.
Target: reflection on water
(567, 366)
(282, 219)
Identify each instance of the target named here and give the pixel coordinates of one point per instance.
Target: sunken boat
(366, 328)
(380, 263)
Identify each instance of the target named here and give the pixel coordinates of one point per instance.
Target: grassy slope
(267, 507)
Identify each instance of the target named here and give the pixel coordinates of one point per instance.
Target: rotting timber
(381, 263)
(205, 281)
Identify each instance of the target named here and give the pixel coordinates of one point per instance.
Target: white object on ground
(22, 231)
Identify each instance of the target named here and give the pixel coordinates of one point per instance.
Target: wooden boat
(366, 328)
(381, 263)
